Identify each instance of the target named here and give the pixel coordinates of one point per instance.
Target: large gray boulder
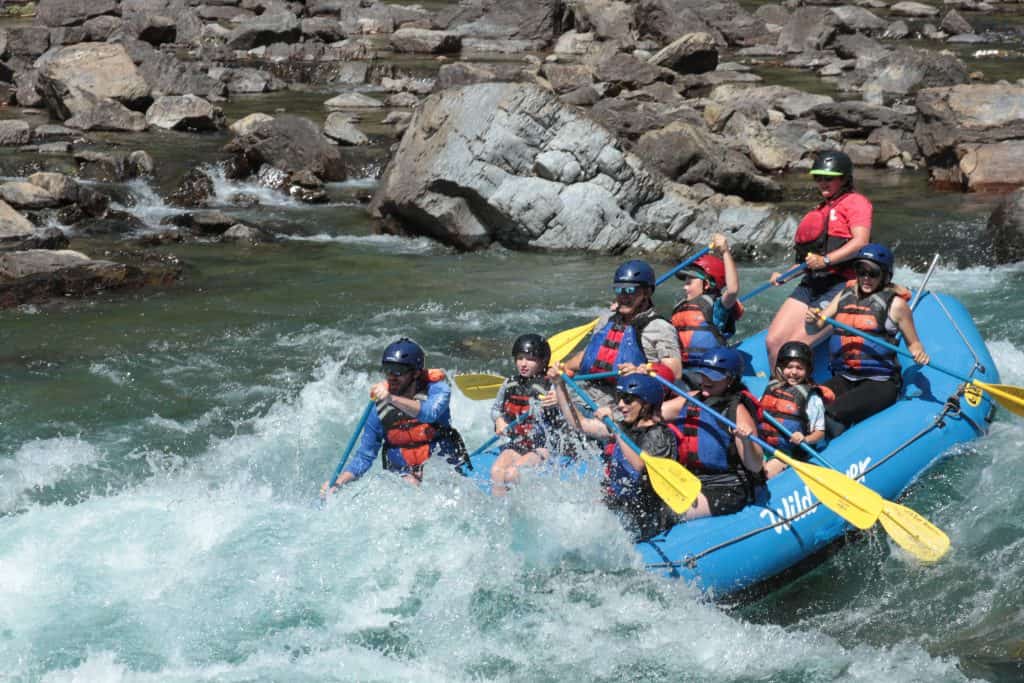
(1005, 229)
(520, 19)
(981, 112)
(288, 143)
(510, 163)
(103, 70)
(185, 112)
(72, 12)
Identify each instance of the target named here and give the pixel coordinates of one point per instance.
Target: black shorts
(818, 291)
(726, 493)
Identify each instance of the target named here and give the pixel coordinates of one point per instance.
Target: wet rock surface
(615, 125)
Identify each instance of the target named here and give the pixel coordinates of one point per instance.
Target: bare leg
(788, 325)
(500, 471)
(700, 508)
(774, 468)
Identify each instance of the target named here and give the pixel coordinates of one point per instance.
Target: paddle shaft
(676, 269)
(717, 415)
(490, 442)
(892, 347)
(608, 422)
(352, 441)
(792, 272)
(596, 375)
(808, 449)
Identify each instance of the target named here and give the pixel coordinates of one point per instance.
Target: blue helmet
(648, 389)
(717, 364)
(635, 272)
(404, 352)
(880, 255)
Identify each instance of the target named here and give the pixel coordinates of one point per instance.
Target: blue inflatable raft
(786, 528)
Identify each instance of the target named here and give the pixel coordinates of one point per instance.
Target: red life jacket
(854, 355)
(697, 331)
(788, 405)
(817, 234)
(706, 445)
(618, 343)
(410, 436)
(518, 394)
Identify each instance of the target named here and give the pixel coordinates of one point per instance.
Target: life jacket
(788, 405)
(854, 355)
(623, 482)
(617, 343)
(519, 391)
(818, 235)
(706, 445)
(413, 439)
(694, 320)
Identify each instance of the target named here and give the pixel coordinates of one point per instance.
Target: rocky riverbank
(599, 125)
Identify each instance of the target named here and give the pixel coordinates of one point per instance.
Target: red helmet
(713, 267)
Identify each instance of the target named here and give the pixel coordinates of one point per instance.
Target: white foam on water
(392, 244)
(40, 463)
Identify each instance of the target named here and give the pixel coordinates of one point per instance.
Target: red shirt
(843, 213)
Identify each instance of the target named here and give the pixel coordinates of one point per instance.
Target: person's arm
(366, 451)
(572, 415)
(904, 318)
(497, 409)
(660, 341)
(750, 453)
(860, 232)
(436, 407)
(815, 422)
(732, 277)
(814, 320)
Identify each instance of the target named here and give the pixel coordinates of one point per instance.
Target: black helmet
(796, 350)
(404, 352)
(833, 164)
(532, 345)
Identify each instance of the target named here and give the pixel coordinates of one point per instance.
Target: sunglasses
(628, 290)
(868, 271)
(396, 369)
(628, 399)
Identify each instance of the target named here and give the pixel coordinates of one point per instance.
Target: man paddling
(629, 335)
(412, 421)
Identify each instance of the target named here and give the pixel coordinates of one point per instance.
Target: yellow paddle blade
(673, 483)
(564, 343)
(914, 533)
(851, 500)
(479, 387)
(1006, 395)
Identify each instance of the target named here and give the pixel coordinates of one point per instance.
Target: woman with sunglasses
(630, 335)
(866, 377)
(827, 236)
(729, 465)
(412, 421)
(628, 490)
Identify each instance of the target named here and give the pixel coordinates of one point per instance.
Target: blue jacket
(435, 409)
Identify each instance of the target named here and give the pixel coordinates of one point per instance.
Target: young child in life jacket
(705, 318)
(794, 401)
(526, 411)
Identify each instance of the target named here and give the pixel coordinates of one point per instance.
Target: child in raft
(525, 410)
(794, 401)
(705, 318)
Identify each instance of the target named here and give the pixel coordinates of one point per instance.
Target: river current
(160, 452)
